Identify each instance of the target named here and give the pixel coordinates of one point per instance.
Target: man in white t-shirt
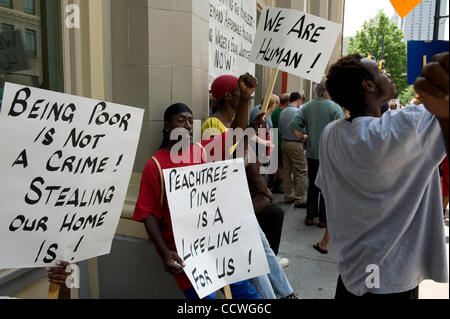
(380, 180)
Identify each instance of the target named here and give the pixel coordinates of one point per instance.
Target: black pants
(314, 208)
(271, 222)
(343, 294)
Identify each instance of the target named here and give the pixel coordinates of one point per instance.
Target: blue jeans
(275, 284)
(241, 291)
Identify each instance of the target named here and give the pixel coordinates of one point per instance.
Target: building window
(28, 6)
(7, 27)
(6, 3)
(30, 39)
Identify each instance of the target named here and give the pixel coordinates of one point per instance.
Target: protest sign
(421, 53)
(12, 52)
(214, 224)
(232, 27)
(65, 167)
(295, 42)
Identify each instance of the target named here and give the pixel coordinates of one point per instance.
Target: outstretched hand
(247, 85)
(433, 86)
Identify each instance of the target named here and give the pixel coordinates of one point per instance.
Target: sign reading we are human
(214, 225)
(65, 168)
(295, 42)
(232, 27)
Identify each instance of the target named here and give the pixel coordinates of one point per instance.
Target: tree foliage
(369, 41)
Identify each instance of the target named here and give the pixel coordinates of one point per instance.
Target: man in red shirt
(152, 207)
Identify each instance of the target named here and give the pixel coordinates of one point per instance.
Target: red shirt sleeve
(148, 203)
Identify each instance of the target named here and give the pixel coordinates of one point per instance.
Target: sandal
(320, 250)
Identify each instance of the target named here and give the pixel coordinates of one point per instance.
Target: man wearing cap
(152, 207)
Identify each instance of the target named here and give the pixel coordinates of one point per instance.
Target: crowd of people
(369, 174)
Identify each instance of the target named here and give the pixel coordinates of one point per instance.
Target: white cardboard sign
(295, 42)
(214, 224)
(65, 167)
(232, 27)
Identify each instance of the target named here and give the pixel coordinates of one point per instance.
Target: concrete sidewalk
(313, 275)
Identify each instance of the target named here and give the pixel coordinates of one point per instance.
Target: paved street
(313, 275)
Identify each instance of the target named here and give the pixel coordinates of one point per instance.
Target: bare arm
(300, 136)
(247, 86)
(433, 87)
(172, 262)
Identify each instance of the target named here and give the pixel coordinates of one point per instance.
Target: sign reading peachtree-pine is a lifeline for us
(65, 168)
(214, 225)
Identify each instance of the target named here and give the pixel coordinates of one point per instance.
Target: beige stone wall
(159, 57)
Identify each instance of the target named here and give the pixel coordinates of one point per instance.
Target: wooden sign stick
(227, 291)
(425, 60)
(269, 91)
(53, 291)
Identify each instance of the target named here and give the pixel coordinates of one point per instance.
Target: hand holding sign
(173, 263)
(403, 7)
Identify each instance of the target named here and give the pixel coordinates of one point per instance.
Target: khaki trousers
(294, 163)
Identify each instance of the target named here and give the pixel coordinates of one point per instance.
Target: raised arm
(433, 87)
(247, 86)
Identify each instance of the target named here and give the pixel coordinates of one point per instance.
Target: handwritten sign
(12, 52)
(215, 228)
(65, 167)
(403, 7)
(295, 42)
(232, 27)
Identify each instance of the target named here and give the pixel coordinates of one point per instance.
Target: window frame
(3, 4)
(29, 32)
(8, 25)
(27, 9)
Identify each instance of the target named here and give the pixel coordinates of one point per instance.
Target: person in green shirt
(284, 103)
(312, 120)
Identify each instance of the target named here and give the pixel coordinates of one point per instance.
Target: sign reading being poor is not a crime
(65, 168)
(214, 225)
(295, 42)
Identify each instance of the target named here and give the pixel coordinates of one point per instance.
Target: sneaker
(284, 262)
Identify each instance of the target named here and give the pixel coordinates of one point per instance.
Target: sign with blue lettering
(416, 52)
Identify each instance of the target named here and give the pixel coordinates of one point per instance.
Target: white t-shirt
(380, 181)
